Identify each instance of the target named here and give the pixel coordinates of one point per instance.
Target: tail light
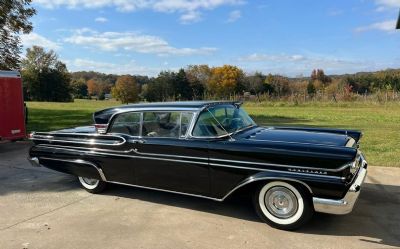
(101, 128)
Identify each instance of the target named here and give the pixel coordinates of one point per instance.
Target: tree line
(46, 78)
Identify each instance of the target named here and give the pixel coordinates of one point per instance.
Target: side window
(207, 126)
(186, 118)
(127, 123)
(161, 124)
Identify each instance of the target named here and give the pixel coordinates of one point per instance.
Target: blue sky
(286, 37)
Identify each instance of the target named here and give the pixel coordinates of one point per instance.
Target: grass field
(380, 123)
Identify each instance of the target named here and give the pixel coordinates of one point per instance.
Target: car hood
(271, 134)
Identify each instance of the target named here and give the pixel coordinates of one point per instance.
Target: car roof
(175, 104)
(103, 116)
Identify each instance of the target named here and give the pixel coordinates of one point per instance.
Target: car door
(166, 158)
(120, 167)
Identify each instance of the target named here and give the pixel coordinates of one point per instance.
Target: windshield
(220, 120)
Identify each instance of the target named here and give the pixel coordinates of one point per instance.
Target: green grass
(380, 123)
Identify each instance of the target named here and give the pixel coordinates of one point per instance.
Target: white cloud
(131, 67)
(234, 15)
(31, 39)
(388, 26)
(190, 10)
(271, 57)
(101, 19)
(297, 64)
(131, 41)
(190, 17)
(387, 4)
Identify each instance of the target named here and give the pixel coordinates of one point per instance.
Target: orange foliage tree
(126, 89)
(224, 80)
(93, 87)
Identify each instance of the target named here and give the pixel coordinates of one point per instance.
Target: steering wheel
(225, 122)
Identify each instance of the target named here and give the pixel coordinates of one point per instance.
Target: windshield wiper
(243, 128)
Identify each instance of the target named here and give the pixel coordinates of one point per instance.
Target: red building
(12, 109)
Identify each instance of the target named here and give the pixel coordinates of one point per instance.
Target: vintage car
(211, 149)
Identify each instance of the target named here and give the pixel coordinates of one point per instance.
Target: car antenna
(230, 137)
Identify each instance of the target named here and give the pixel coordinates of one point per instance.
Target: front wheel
(93, 186)
(283, 205)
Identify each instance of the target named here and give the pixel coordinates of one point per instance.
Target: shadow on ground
(375, 216)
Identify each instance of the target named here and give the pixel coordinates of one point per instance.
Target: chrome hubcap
(281, 202)
(90, 181)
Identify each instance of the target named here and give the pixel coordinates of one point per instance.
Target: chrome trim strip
(281, 165)
(79, 161)
(76, 134)
(250, 180)
(169, 191)
(167, 155)
(53, 146)
(213, 198)
(195, 162)
(130, 156)
(278, 171)
(96, 136)
(211, 159)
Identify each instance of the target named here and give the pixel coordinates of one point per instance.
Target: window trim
(141, 112)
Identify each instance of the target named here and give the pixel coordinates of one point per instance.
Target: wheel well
(246, 188)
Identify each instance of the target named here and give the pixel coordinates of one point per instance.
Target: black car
(211, 149)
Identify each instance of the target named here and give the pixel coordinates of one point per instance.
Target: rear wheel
(282, 205)
(92, 185)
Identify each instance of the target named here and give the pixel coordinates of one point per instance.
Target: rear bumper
(345, 205)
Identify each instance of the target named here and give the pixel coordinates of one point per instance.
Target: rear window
(127, 123)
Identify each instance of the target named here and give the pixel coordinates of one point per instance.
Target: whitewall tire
(92, 185)
(283, 205)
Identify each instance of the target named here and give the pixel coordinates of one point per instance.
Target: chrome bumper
(34, 161)
(345, 205)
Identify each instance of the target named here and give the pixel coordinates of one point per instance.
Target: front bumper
(345, 205)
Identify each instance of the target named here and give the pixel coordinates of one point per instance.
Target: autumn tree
(79, 88)
(225, 80)
(198, 76)
(126, 89)
(255, 83)
(45, 77)
(278, 84)
(14, 20)
(319, 75)
(92, 87)
(311, 88)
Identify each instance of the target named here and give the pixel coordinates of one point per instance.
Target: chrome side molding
(35, 162)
